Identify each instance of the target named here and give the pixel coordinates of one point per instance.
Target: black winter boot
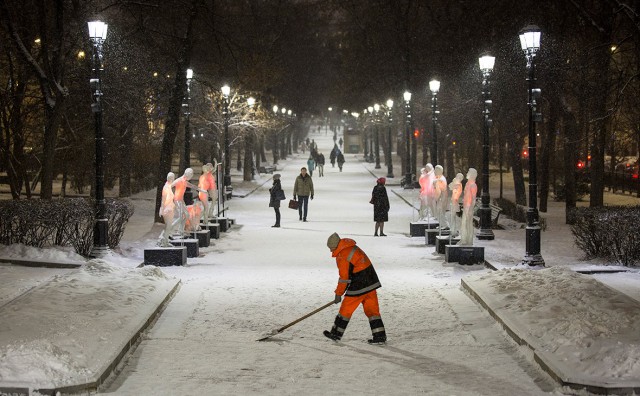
(377, 329)
(339, 325)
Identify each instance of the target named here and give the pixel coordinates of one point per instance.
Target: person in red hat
(380, 202)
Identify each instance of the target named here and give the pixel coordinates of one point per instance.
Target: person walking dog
(358, 282)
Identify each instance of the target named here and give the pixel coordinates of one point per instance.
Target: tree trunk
(249, 139)
(548, 146)
(516, 166)
(571, 136)
(126, 163)
(172, 125)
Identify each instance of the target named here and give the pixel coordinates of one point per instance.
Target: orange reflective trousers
(369, 303)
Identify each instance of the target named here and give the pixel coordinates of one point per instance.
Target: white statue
(456, 213)
(194, 213)
(167, 208)
(207, 183)
(180, 184)
(426, 192)
(468, 205)
(440, 194)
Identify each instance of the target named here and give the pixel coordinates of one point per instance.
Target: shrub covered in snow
(62, 222)
(609, 232)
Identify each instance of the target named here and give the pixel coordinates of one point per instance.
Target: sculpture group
(434, 201)
(180, 218)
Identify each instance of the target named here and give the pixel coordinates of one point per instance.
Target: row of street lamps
(530, 43)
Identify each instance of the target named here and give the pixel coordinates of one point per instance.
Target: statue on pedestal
(468, 205)
(194, 213)
(167, 208)
(209, 194)
(180, 185)
(426, 192)
(456, 213)
(440, 195)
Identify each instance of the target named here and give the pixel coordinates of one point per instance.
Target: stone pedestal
(442, 241)
(165, 256)
(214, 229)
(224, 224)
(465, 255)
(203, 237)
(417, 228)
(191, 245)
(430, 235)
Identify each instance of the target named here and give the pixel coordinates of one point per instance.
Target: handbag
(293, 204)
(280, 195)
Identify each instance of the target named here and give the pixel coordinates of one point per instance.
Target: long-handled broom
(315, 311)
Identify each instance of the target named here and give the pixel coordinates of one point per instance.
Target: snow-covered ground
(255, 279)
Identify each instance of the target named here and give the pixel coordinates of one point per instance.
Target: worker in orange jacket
(358, 282)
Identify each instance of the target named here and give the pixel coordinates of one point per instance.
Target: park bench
(267, 169)
(495, 214)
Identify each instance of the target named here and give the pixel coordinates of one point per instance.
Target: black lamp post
(372, 121)
(389, 141)
(434, 86)
(226, 90)
(376, 108)
(486, 66)
(530, 42)
(408, 183)
(275, 137)
(98, 34)
(283, 142)
(186, 158)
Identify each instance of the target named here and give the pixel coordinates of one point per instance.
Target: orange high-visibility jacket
(357, 275)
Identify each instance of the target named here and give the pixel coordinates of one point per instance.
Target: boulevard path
(257, 278)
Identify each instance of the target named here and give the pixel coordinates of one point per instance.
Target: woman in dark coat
(380, 202)
(276, 195)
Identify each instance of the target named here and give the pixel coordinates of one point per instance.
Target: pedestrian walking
(276, 194)
(358, 282)
(340, 159)
(333, 155)
(311, 164)
(380, 202)
(320, 164)
(303, 189)
(340, 142)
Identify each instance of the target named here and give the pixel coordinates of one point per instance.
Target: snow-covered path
(256, 279)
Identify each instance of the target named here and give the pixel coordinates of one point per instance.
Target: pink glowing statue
(456, 213)
(180, 184)
(208, 197)
(167, 209)
(468, 205)
(440, 195)
(426, 192)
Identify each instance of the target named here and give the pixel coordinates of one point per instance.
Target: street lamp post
(283, 143)
(486, 66)
(434, 86)
(364, 133)
(376, 108)
(251, 101)
(186, 158)
(389, 144)
(530, 42)
(407, 156)
(98, 34)
(275, 137)
(372, 118)
(226, 90)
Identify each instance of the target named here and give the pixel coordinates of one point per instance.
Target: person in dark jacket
(276, 195)
(303, 189)
(320, 164)
(358, 282)
(332, 155)
(380, 202)
(340, 159)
